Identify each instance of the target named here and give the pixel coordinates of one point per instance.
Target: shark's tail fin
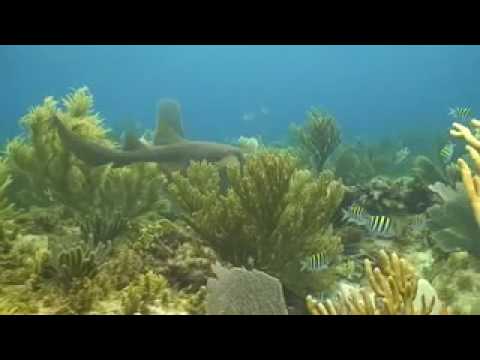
(169, 123)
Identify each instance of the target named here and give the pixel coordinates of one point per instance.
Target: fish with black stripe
(447, 152)
(461, 114)
(381, 226)
(315, 263)
(355, 214)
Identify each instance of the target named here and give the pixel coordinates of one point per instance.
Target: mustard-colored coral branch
(472, 187)
(460, 131)
(470, 181)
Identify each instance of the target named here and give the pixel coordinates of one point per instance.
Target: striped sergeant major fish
(447, 152)
(355, 214)
(315, 263)
(460, 114)
(381, 225)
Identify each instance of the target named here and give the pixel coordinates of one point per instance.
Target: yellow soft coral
(470, 181)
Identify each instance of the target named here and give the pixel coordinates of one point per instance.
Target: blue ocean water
(374, 91)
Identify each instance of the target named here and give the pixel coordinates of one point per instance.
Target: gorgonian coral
(271, 215)
(317, 139)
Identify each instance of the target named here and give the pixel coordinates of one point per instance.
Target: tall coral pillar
(470, 181)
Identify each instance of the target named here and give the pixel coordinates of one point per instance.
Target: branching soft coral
(6, 207)
(67, 264)
(318, 138)
(272, 215)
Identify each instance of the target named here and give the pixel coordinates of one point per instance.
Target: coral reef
(317, 139)
(238, 291)
(394, 289)
(181, 229)
(272, 215)
(399, 196)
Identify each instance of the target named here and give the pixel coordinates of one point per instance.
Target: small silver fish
(447, 152)
(381, 225)
(315, 263)
(355, 214)
(401, 155)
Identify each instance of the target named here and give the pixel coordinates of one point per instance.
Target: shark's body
(171, 151)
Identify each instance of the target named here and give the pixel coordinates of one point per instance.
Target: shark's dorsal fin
(132, 143)
(169, 123)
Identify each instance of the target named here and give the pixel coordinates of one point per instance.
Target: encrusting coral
(393, 290)
(386, 196)
(271, 216)
(317, 139)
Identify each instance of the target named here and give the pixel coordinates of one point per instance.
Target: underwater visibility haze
(201, 179)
